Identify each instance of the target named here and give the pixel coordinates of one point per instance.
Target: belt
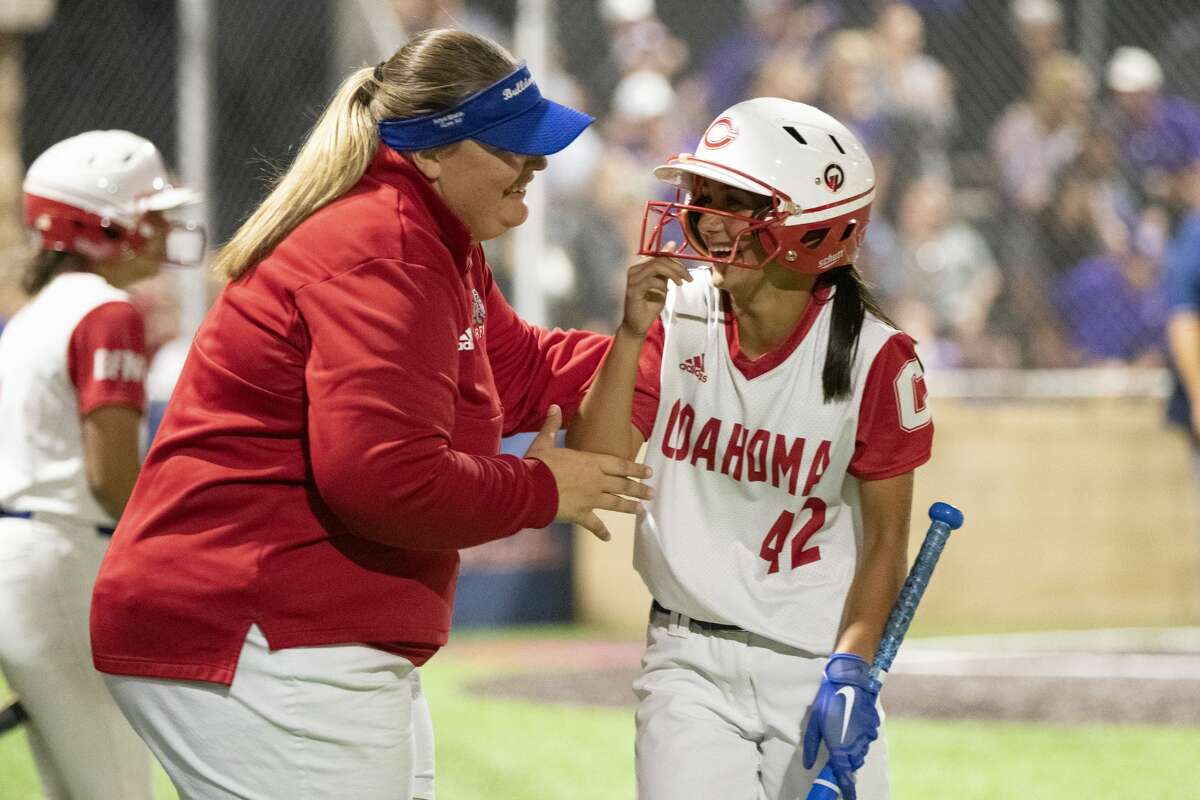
(103, 530)
(696, 624)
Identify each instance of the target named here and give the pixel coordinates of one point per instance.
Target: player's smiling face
(719, 234)
(484, 186)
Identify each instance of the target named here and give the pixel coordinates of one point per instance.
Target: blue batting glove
(844, 718)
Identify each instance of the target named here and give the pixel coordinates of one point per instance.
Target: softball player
(783, 417)
(72, 364)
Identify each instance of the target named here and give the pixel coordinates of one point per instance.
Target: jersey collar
(751, 368)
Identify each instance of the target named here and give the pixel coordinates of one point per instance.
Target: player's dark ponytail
(46, 266)
(851, 300)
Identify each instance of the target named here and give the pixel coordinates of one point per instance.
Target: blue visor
(511, 114)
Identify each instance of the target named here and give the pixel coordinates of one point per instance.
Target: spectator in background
(1158, 132)
(918, 90)
(636, 40)
(850, 92)
(1038, 25)
(786, 74)
(1033, 142)
(640, 40)
(942, 280)
(775, 27)
(992, 49)
(641, 121)
(596, 230)
(1113, 305)
(1182, 263)
(1038, 136)
(1092, 208)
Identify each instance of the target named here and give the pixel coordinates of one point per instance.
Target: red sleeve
(895, 426)
(647, 388)
(382, 383)
(535, 368)
(106, 358)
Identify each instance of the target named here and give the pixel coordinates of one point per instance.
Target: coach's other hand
(587, 481)
(844, 718)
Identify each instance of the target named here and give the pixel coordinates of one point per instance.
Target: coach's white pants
(721, 715)
(299, 723)
(84, 749)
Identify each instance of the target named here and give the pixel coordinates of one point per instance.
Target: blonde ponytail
(434, 71)
(333, 159)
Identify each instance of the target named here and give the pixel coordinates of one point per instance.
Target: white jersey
(77, 345)
(755, 520)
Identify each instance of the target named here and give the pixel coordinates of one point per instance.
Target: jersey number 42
(776, 539)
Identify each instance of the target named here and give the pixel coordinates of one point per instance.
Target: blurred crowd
(1029, 195)
(1024, 207)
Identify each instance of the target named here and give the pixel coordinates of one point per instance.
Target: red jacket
(333, 441)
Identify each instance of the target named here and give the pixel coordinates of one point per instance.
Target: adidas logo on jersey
(466, 340)
(695, 365)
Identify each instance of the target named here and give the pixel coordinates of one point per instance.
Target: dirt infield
(1112, 677)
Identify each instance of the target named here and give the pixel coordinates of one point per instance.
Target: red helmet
(90, 194)
(815, 176)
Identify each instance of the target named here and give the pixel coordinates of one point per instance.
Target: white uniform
(77, 346)
(755, 524)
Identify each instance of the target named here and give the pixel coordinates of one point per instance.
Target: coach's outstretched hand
(844, 718)
(587, 481)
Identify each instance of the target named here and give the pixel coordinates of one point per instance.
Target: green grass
(512, 750)
(18, 778)
(1001, 761)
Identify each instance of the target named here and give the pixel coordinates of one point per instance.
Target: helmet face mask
(817, 176)
(104, 195)
(661, 218)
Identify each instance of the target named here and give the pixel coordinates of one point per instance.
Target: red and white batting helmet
(813, 172)
(89, 194)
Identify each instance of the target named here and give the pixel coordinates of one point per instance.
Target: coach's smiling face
(484, 186)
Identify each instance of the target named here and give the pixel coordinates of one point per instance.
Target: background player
(784, 416)
(72, 364)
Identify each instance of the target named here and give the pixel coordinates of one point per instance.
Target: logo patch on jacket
(478, 310)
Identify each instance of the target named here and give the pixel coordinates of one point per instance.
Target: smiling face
(718, 234)
(484, 186)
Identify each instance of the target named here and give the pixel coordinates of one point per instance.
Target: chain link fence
(1029, 182)
(1031, 165)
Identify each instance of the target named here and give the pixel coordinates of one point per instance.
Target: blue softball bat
(944, 519)
(825, 786)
